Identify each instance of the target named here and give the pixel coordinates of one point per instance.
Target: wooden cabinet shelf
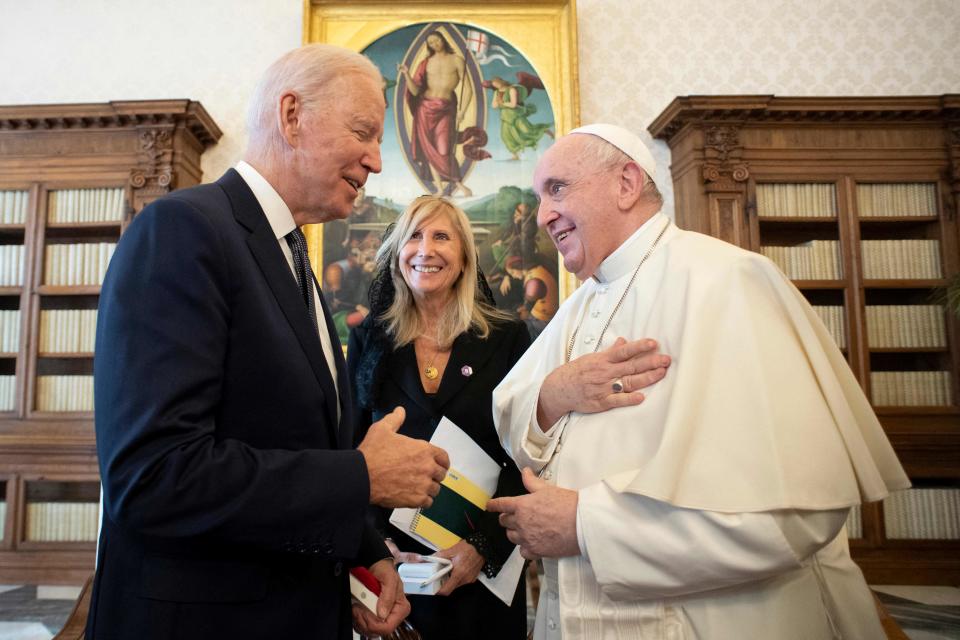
(93, 231)
(908, 350)
(904, 284)
(866, 188)
(951, 410)
(108, 226)
(61, 415)
(65, 354)
(898, 220)
(798, 220)
(69, 290)
(820, 284)
(55, 545)
(67, 191)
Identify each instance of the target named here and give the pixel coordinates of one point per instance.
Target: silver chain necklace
(606, 325)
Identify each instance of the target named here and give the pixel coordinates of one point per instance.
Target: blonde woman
(435, 344)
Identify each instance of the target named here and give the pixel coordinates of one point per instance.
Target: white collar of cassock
(624, 260)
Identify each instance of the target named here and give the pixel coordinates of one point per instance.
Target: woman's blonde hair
(468, 308)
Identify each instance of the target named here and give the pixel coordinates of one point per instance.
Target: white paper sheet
(473, 462)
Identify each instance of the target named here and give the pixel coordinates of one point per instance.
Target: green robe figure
(516, 130)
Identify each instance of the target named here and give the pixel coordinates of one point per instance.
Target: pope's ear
(290, 118)
(632, 180)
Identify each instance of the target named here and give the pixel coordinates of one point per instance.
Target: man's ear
(630, 186)
(289, 118)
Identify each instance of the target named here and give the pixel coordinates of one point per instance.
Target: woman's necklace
(431, 371)
(573, 338)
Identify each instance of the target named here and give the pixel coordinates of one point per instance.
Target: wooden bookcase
(71, 179)
(856, 199)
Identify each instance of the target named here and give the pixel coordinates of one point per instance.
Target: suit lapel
(266, 251)
(407, 376)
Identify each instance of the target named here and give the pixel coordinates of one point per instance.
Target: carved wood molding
(155, 123)
(722, 140)
(720, 178)
(723, 169)
(953, 149)
(725, 210)
(953, 145)
(154, 174)
(701, 110)
(118, 114)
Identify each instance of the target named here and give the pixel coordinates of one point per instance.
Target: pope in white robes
(712, 504)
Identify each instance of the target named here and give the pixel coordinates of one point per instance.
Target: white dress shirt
(281, 222)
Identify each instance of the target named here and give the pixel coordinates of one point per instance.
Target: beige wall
(635, 55)
(99, 50)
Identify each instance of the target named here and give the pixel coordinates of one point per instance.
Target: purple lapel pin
(466, 370)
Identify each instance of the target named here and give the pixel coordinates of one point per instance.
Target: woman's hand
(402, 556)
(467, 563)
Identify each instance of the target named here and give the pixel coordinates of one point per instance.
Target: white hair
(603, 156)
(311, 72)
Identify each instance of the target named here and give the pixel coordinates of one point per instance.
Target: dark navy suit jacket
(233, 498)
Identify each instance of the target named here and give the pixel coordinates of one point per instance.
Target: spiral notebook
(454, 514)
(464, 492)
(470, 482)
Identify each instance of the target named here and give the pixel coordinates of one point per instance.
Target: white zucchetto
(624, 140)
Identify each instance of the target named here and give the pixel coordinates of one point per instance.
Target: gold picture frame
(545, 31)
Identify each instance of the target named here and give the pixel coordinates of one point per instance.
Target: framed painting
(475, 92)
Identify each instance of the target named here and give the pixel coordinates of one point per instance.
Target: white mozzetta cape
(758, 411)
(711, 510)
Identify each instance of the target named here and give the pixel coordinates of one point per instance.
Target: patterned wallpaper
(635, 55)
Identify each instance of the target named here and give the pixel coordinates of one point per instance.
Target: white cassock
(714, 509)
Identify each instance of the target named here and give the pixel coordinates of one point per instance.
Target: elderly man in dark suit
(233, 501)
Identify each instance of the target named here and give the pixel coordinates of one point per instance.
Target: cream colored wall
(635, 55)
(212, 51)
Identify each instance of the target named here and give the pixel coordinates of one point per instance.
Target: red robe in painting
(434, 139)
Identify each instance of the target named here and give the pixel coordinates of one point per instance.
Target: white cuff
(539, 445)
(581, 542)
